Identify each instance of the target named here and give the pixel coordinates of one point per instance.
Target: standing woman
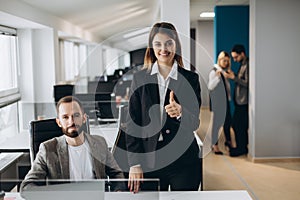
(219, 91)
(164, 107)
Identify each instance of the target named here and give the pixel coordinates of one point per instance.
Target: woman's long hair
(221, 55)
(165, 28)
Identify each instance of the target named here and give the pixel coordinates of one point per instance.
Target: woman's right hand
(135, 176)
(218, 72)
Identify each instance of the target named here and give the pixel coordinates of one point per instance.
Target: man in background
(240, 119)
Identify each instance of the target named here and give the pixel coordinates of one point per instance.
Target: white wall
(179, 14)
(44, 49)
(204, 55)
(274, 78)
(95, 61)
(26, 80)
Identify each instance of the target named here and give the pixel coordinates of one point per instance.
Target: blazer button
(168, 131)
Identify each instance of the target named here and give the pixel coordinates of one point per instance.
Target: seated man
(74, 156)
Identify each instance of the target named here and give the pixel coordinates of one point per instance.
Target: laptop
(62, 190)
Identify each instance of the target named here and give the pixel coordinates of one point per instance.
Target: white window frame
(11, 95)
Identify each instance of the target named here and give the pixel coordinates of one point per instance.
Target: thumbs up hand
(173, 109)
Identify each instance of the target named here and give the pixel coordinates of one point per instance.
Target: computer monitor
(107, 110)
(66, 190)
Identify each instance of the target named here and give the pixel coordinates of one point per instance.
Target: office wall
(274, 79)
(95, 61)
(37, 73)
(204, 55)
(44, 48)
(178, 14)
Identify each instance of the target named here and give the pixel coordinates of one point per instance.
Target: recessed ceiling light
(207, 14)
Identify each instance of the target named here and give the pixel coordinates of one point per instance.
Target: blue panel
(231, 26)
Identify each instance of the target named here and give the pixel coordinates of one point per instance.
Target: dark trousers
(221, 118)
(183, 174)
(227, 123)
(179, 177)
(240, 126)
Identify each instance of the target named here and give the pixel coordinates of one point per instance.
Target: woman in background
(219, 90)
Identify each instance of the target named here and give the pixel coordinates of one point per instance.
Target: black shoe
(216, 152)
(234, 152)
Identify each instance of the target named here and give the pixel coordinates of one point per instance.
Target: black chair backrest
(41, 131)
(60, 91)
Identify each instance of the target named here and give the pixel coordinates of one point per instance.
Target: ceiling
(108, 20)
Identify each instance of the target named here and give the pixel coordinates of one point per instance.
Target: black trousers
(221, 118)
(183, 174)
(180, 177)
(227, 123)
(240, 124)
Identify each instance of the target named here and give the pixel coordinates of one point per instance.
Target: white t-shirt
(80, 162)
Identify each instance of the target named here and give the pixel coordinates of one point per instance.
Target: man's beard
(74, 133)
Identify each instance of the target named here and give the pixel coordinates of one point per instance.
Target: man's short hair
(238, 48)
(68, 99)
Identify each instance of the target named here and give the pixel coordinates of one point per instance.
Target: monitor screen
(66, 190)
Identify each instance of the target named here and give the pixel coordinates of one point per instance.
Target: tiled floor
(263, 181)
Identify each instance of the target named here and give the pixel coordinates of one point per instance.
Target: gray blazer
(242, 83)
(52, 161)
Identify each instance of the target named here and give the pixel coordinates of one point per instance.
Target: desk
(193, 195)
(17, 143)
(8, 170)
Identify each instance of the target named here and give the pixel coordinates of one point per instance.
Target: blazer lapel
(152, 93)
(97, 157)
(63, 157)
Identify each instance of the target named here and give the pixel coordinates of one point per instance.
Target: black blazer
(144, 123)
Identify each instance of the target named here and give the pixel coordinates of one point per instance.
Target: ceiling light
(207, 14)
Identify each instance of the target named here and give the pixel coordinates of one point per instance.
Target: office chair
(43, 130)
(40, 131)
(60, 91)
(119, 149)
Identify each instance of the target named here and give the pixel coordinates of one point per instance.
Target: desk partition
(197, 195)
(86, 189)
